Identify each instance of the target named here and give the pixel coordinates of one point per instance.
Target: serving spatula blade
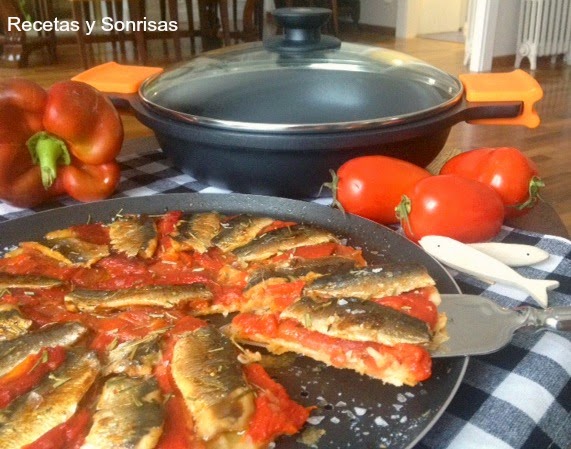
(477, 325)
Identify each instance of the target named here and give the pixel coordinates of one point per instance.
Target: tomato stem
(402, 211)
(48, 152)
(535, 184)
(333, 186)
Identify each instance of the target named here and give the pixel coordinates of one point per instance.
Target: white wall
(384, 13)
(439, 16)
(505, 42)
(379, 12)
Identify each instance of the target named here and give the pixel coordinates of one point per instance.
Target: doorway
(433, 24)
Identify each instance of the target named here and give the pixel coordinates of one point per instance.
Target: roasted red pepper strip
(61, 141)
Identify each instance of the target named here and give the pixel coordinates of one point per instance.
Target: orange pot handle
(117, 78)
(497, 87)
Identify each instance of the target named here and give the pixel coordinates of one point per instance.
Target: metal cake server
(477, 325)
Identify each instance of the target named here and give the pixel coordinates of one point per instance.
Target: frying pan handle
(120, 82)
(516, 86)
(117, 78)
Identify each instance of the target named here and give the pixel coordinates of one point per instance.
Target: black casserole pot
(275, 117)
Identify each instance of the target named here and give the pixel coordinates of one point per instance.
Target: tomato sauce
(177, 430)
(29, 373)
(416, 359)
(30, 261)
(276, 414)
(277, 224)
(321, 250)
(280, 295)
(166, 224)
(96, 233)
(127, 325)
(44, 306)
(416, 303)
(69, 435)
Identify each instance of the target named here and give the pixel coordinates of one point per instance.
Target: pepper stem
(48, 152)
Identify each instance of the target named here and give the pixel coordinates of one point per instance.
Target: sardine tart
(107, 321)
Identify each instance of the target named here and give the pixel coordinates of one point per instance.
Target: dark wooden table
(542, 219)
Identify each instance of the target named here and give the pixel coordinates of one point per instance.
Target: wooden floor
(548, 145)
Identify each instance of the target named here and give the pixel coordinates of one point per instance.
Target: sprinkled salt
(315, 420)
(335, 420)
(349, 413)
(381, 422)
(360, 411)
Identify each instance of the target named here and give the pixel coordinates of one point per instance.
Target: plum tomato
(372, 186)
(512, 174)
(451, 206)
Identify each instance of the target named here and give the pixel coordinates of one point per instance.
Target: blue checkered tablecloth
(517, 398)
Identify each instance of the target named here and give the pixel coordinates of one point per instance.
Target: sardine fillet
(282, 239)
(12, 323)
(52, 403)
(79, 252)
(129, 415)
(298, 268)
(239, 231)
(136, 358)
(197, 233)
(371, 282)
(8, 281)
(167, 297)
(210, 378)
(13, 352)
(358, 320)
(134, 235)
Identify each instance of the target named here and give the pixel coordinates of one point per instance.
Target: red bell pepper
(54, 142)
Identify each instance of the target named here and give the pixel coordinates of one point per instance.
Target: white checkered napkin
(519, 397)
(513, 399)
(150, 173)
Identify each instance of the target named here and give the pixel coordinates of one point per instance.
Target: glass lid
(301, 82)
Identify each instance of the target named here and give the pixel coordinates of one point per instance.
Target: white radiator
(544, 30)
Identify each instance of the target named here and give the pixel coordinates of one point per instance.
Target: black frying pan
(352, 410)
(281, 127)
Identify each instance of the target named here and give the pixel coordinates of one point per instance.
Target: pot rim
(288, 128)
(302, 48)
